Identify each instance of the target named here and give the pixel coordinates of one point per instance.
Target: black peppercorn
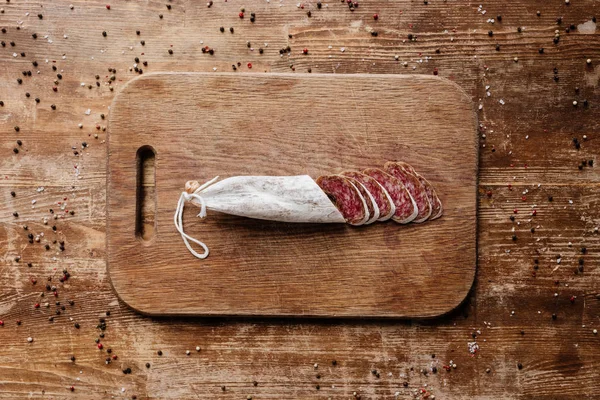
(104, 33)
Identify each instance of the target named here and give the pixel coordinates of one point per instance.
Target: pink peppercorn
(241, 14)
(375, 17)
(108, 6)
(100, 346)
(250, 65)
(305, 51)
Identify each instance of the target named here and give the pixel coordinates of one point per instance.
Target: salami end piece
(406, 208)
(436, 205)
(346, 197)
(414, 187)
(382, 198)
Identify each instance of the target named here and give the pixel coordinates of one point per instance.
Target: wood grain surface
(204, 125)
(526, 143)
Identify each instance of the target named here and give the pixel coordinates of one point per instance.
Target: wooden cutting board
(168, 128)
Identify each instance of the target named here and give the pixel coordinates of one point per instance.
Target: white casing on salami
(274, 198)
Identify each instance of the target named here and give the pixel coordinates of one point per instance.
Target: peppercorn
(170, 51)
(222, 29)
(104, 33)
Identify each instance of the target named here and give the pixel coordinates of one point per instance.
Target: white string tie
(178, 217)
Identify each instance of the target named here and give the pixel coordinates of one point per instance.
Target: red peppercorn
(534, 213)
(516, 211)
(37, 305)
(489, 193)
(55, 89)
(241, 14)
(572, 299)
(305, 51)
(375, 17)
(72, 388)
(108, 6)
(250, 65)
(100, 346)
(114, 357)
(523, 198)
(1, 323)
(435, 71)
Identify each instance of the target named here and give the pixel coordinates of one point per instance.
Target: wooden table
(527, 329)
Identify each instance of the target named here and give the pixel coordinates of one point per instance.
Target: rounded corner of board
(129, 301)
(457, 300)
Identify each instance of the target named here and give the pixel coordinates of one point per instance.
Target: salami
(436, 205)
(382, 198)
(369, 200)
(406, 208)
(346, 197)
(414, 187)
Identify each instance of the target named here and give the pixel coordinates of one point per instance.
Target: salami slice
(369, 200)
(382, 198)
(436, 205)
(346, 197)
(414, 187)
(406, 208)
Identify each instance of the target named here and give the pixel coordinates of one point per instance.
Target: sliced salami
(406, 208)
(436, 205)
(371, 203)
(414, 187)
(346, 197)
(382, 198)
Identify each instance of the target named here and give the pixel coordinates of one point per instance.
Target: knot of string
(178, 218)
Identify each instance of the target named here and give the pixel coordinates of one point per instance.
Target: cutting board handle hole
(145, 212)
